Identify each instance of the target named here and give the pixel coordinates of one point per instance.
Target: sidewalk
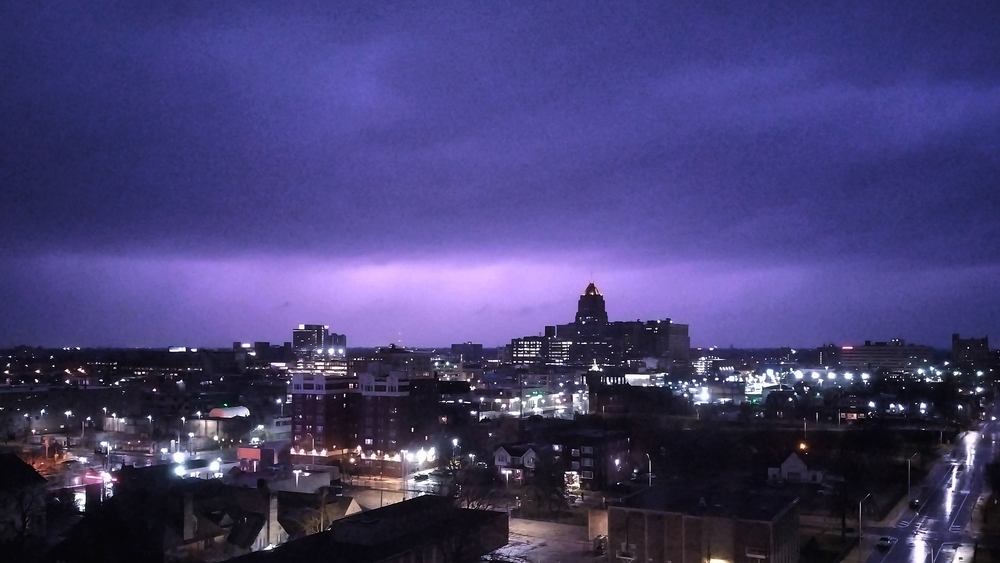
(863, 550)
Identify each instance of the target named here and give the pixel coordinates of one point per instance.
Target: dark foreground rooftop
(424, 524)
(740, 505)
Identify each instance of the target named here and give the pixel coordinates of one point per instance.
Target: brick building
(686, 526)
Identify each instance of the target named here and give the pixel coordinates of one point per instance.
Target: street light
(313, 451)
(860, 532)
(281, 408)
(402, 459)
(908, 485)
(649, 470)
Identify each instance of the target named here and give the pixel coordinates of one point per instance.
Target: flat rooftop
(740, 505)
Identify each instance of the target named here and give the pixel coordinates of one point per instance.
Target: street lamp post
(281, 408)
(402, 459)
(908, 480)
(649, 470)
(860, 532)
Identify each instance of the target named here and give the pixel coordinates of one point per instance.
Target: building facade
(660, 526)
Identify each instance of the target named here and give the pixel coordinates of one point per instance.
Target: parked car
(884, 542)
(915, 503)
(421, 477)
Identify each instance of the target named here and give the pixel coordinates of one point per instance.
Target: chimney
(273, 528)
(190, 520)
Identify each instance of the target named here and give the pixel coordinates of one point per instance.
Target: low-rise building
(661, 525)
(516, 461)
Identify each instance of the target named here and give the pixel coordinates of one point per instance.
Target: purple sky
(790, 174)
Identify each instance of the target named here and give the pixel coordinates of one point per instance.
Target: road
(934, 532)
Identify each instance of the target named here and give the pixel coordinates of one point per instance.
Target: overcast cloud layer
(202, 172)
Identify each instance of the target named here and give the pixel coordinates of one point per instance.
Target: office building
(310, 341)
(892, 356)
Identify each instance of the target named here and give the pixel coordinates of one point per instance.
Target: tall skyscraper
(590, 309)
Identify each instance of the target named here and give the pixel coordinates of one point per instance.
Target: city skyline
(789, 174)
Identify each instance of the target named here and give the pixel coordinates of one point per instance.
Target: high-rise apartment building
(325, 411)
(383, 404)
(397, 412)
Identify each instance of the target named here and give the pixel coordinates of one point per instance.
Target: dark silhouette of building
(592, 339)
(428, 529)
(590, 310)
(973, 352)
(660, 525)
(468, 352)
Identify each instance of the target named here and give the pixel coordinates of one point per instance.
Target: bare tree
(479, 489)
(314, 520)
(22, 512)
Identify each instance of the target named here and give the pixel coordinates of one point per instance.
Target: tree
(547, 486)
(479, 489)
(23, 508)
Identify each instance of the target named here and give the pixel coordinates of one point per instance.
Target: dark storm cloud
(797, 134)
(288, 127)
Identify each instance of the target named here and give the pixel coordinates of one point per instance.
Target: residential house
(794, 470)
(516, 461)
(156, 519)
